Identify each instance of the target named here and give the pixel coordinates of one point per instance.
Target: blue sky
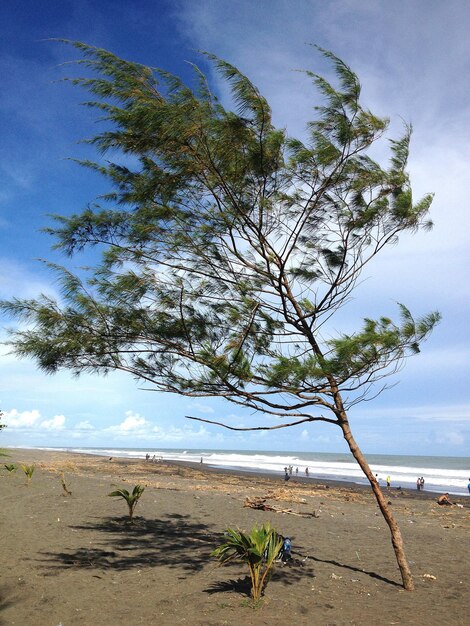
(412, 59)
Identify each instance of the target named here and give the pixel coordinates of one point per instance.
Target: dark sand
(75, 561)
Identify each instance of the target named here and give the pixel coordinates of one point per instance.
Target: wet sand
(74, 560)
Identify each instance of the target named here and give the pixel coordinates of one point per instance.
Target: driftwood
(67, 491)
(261, 505)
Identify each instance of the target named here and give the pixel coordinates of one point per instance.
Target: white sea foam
(441, 474)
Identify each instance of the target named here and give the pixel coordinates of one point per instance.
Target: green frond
(247, 97)
(130, 498)
(204, 92)
(258, 549)
(348, 79)
(400, 151)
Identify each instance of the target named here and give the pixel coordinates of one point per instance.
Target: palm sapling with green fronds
(29, 471)
(10, 467)
(258, 549)
(130, 498)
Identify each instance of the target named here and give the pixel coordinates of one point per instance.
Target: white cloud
(133, 422)
(21, 419)
(85, 425)
(178, 435)
(30, 420)
(56, 423)
(134, 425)
(304, 435)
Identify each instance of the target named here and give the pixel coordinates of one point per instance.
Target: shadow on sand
(358, 570)
(173, 541)
(288, 573)
(8, 598)
(291, 572)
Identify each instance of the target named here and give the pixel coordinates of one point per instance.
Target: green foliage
(257, 549)
(130, 498)
(29, 471)
(10, 467)
(228, 246)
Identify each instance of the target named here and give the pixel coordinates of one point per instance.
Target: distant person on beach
(147, 456)
(297, 471)
(286, 475)
(201, 459)
(388, 481)
(418, 483)
(468, 486)
(444, 500)
(306, 471)
(421, 483)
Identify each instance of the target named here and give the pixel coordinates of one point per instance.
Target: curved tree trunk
(397, 540)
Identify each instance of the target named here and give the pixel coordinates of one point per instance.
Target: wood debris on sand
(261, 504)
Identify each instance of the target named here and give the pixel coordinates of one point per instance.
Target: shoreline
(256, 475)
(312, 479)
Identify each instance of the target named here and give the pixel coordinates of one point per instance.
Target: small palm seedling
(130, 498)
(258, 549)
(29, 471)
(10, 467)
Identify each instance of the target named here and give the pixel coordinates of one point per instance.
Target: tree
(2, 425)
(228, 247)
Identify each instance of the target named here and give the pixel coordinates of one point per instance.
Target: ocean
(441, 473)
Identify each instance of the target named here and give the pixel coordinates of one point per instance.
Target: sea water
(441, 474)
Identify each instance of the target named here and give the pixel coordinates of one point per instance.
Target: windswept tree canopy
(229, 245)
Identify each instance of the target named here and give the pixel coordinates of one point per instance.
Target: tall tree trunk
(397, 540)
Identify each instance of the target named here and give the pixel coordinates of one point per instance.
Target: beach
(75, 560)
